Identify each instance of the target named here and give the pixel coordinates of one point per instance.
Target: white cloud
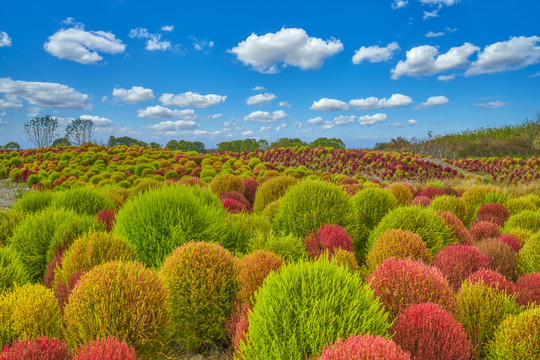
(513, 54)
(344, 119)
(98, 121)
(172, 126)
(284, 104)
(396, 124)
(248, 133)
(287, 47)
(327, 125)
(431, 34)
(395, 101)
(192, 99)
(446, 77)
(492, 104)
(83, 46)
(199, 132)
(439, 2)
(412, 122)
(167, 28)
(535, 75)
(160, 112)
(216, 116)
(10, 102)
(315, 121)
(260, 99)
(326, 104)
(430, 14)
(33, 111)
(433, 101)
(200, 44)
(298, 125)
(265, 128)
(281, 127)
(47, 94)
(265, 116)
(375, 53)
(134, 95)
(368, 120)
(306, 131)
(153, 42)
(399, 4)
(5, 40)
(258, 88)
(421, 60)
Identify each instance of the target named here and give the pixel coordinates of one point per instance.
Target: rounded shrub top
(307, 305)
(457, 262)
(119, 299)
(227, 182)
(399, 244)
(42, 347)
(402, 282)
(33, 201)
(402, 193)
(371, 205)
(527, 219)
(82, 201)
(457, 228)
(501, 257)
(364, 347)
(158, 221)
(482, 230)
(252, 270)
(528, 289)
(271, 190)
(12, 271)
(309, 205)
(529, 255)
(109, 348)
(493, 279)
(452, 204)
(424, 222)
(328, 238)
(493, 212)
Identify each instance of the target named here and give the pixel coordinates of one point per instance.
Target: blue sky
(212, 71)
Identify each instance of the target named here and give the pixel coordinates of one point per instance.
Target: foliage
(493, 212)
(62, 142)
(371, 205)
(501, 257)
(493, 279)
(288, 246)
(364, 347)
(79, 131)
(12, 270)
(9, 220)
(457, 228)
(124, 140)
(271, 190)
(452, 204)
(109, 348)
(227, 182)
(402, 193)
(483, 230)
(307, 305)
(327, 239)
(326, 143)
(457, 262)
(33, 201)
(287, 143)
(41, 348)
(528, 289)
(242, 145)
(198, 313)
(124, 300)
(184, 145)
(252, 270)
(83, 201)
(529, 255)
(526, 219)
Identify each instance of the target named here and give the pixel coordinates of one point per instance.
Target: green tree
(62, 142)
(12, 146)
(124, 140)
(287, 143)
(155, 145)
(41, 130)
(79, 131)
(325, 142)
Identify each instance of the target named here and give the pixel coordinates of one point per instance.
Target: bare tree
(41, 130)
(80, 131)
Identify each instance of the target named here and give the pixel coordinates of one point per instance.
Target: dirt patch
(10, 191)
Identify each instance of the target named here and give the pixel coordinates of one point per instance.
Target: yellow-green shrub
(271, 190)
(12, 271)
(452, 204)
(529, 255)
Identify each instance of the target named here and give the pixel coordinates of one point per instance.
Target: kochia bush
(82, 200)
(457, 228)
(307, 305)
(12, 270)
(41, 348)
(501, 257)
(109, 348)
(252, 270)
(328, 238)
(402, 193)
(527, 219)
(493, 212)
(484, 230)
(493, 279)
(199, 313)
(371, 205)
(33, 201)
(457, 262)
(271, 190)
(528, 289)
(452, 204)
(364, 347)
(529, 255)
(226, 182)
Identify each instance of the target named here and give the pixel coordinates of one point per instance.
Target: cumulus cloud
(5, 40)
(430, 14)
(535, 75)
(173, 126)
(266, 117)
(281, 127)
(431, 34)
(368, 120)
(33, 111)
(326, 104)
(153, 41)
(248, 133)
(327, 125)
(258, 88)
(216, 116)
(344, 119)
(201, 44)
(192, 99)
(47, 94)
(492, 105)
(433, 101)
(260, 99)
(370, 103)
(513, 54)
(287, 47)
(397, 4)
(10, 102)
(167, 28)
(98, 120)
(375, 53)
(421, 60)
(412, 122)
(83, 46)
(284, 104)
(134, 95)
(315, 121)
(439, 2)
(160, 112)
(446, 77)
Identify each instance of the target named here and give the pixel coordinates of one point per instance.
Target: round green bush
(27, 312)
(199, 313)
(371, 205)
(33, 201)
(307, 305)
(517, 338)
(38, 236)
(526, 219)
(288, 246)
(452, 204)
(529, 255)
(402, 193)
(125, 300)
(158, 221)
(226, 182)
(519, 204)
(270, 210)
(244, 226)
(12, 271)
(424, 222)
(475, 197)
(82, 200)
(481, 309)
(271, 190)
(9, 220)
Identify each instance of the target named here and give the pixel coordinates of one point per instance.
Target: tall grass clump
(158, 221)
(9, 220)
(271, 190)
(307, 305)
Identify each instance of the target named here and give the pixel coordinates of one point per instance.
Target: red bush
(250, 189)
(233, 207)
(329, 237)
(106, 217)
(422, 201)
(51, 267)
(431, 192)
(364, 347)
(62, 291)
(240, 328)
(493, 212)
(403, 282)
(501, 257)
(493, 279)
(482, 230)
(252, 270)
(235, 196)
(511, 240)
(528, 289)
(353, 189)
(42, 348)
(457, 262)
(431, 333)
(110, 348)
(459, 231)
